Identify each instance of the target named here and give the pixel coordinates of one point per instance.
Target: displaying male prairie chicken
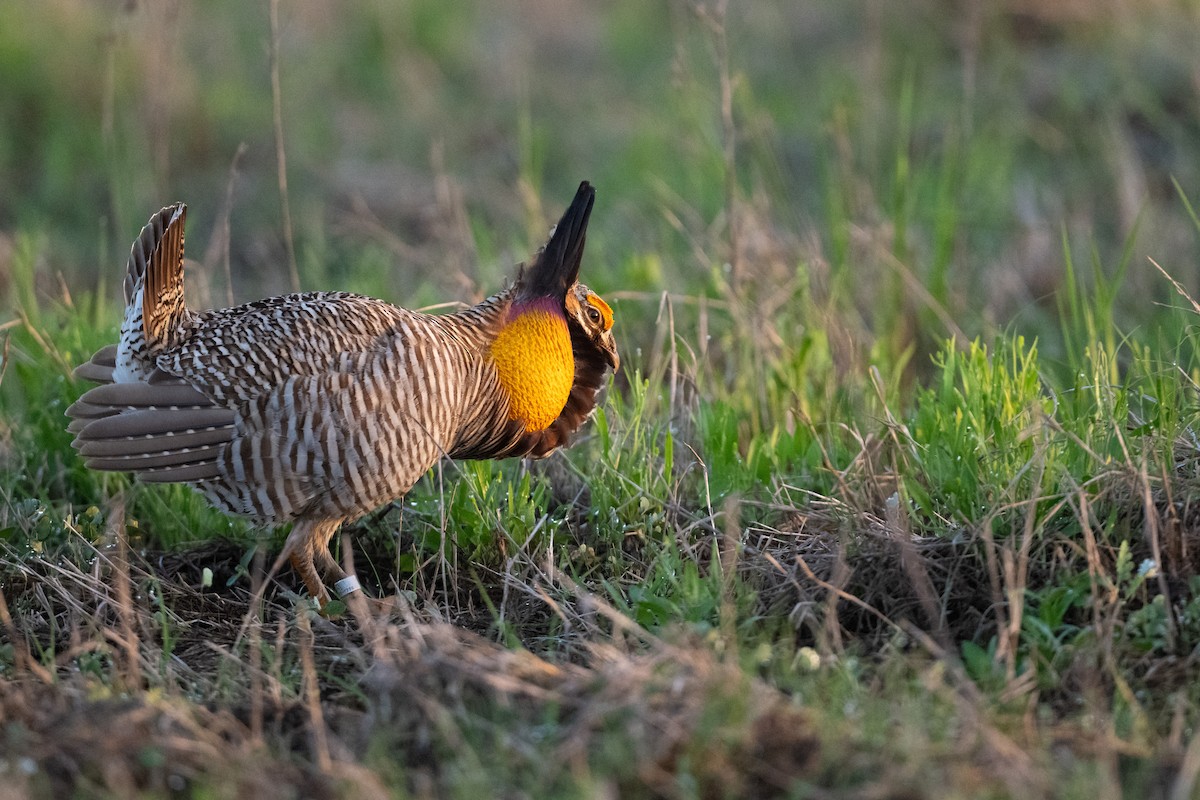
(316, 408)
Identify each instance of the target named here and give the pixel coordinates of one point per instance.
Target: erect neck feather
(532, 354)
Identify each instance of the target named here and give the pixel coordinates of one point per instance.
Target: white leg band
(347, 585)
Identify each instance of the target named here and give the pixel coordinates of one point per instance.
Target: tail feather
(79, 423)
(184, 473)
(156, 267)
(166, 458)
(111, 399)
(146, 395)
(155, 422)
(137, 447)
(83, 412)
(163, 432)
(100, 368)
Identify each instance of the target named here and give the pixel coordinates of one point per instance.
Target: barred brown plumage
(316, 408)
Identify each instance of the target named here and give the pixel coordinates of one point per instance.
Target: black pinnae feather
(557, 266)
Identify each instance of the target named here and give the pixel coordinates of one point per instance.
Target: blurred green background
(922, 160)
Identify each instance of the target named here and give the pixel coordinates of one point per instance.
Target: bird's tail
(154, 278)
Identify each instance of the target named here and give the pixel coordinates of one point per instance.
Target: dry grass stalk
(914, 566)
(126, 614)
(280, 153)
(312, 696)
(728, 564)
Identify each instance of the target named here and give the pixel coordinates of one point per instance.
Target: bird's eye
(593, 315)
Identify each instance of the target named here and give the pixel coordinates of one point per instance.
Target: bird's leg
(302, 562)
(343, 584)
(300, 548)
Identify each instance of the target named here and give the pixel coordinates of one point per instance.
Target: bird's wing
(161, 428)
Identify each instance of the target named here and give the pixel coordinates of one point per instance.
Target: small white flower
(808, 659)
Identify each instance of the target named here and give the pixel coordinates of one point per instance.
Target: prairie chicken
(316, 408)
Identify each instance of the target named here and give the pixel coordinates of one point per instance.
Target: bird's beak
(609, 347)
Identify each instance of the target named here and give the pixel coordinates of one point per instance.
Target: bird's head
(554, 322)
(594, 319)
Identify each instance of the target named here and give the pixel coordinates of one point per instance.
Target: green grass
(895, 495)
